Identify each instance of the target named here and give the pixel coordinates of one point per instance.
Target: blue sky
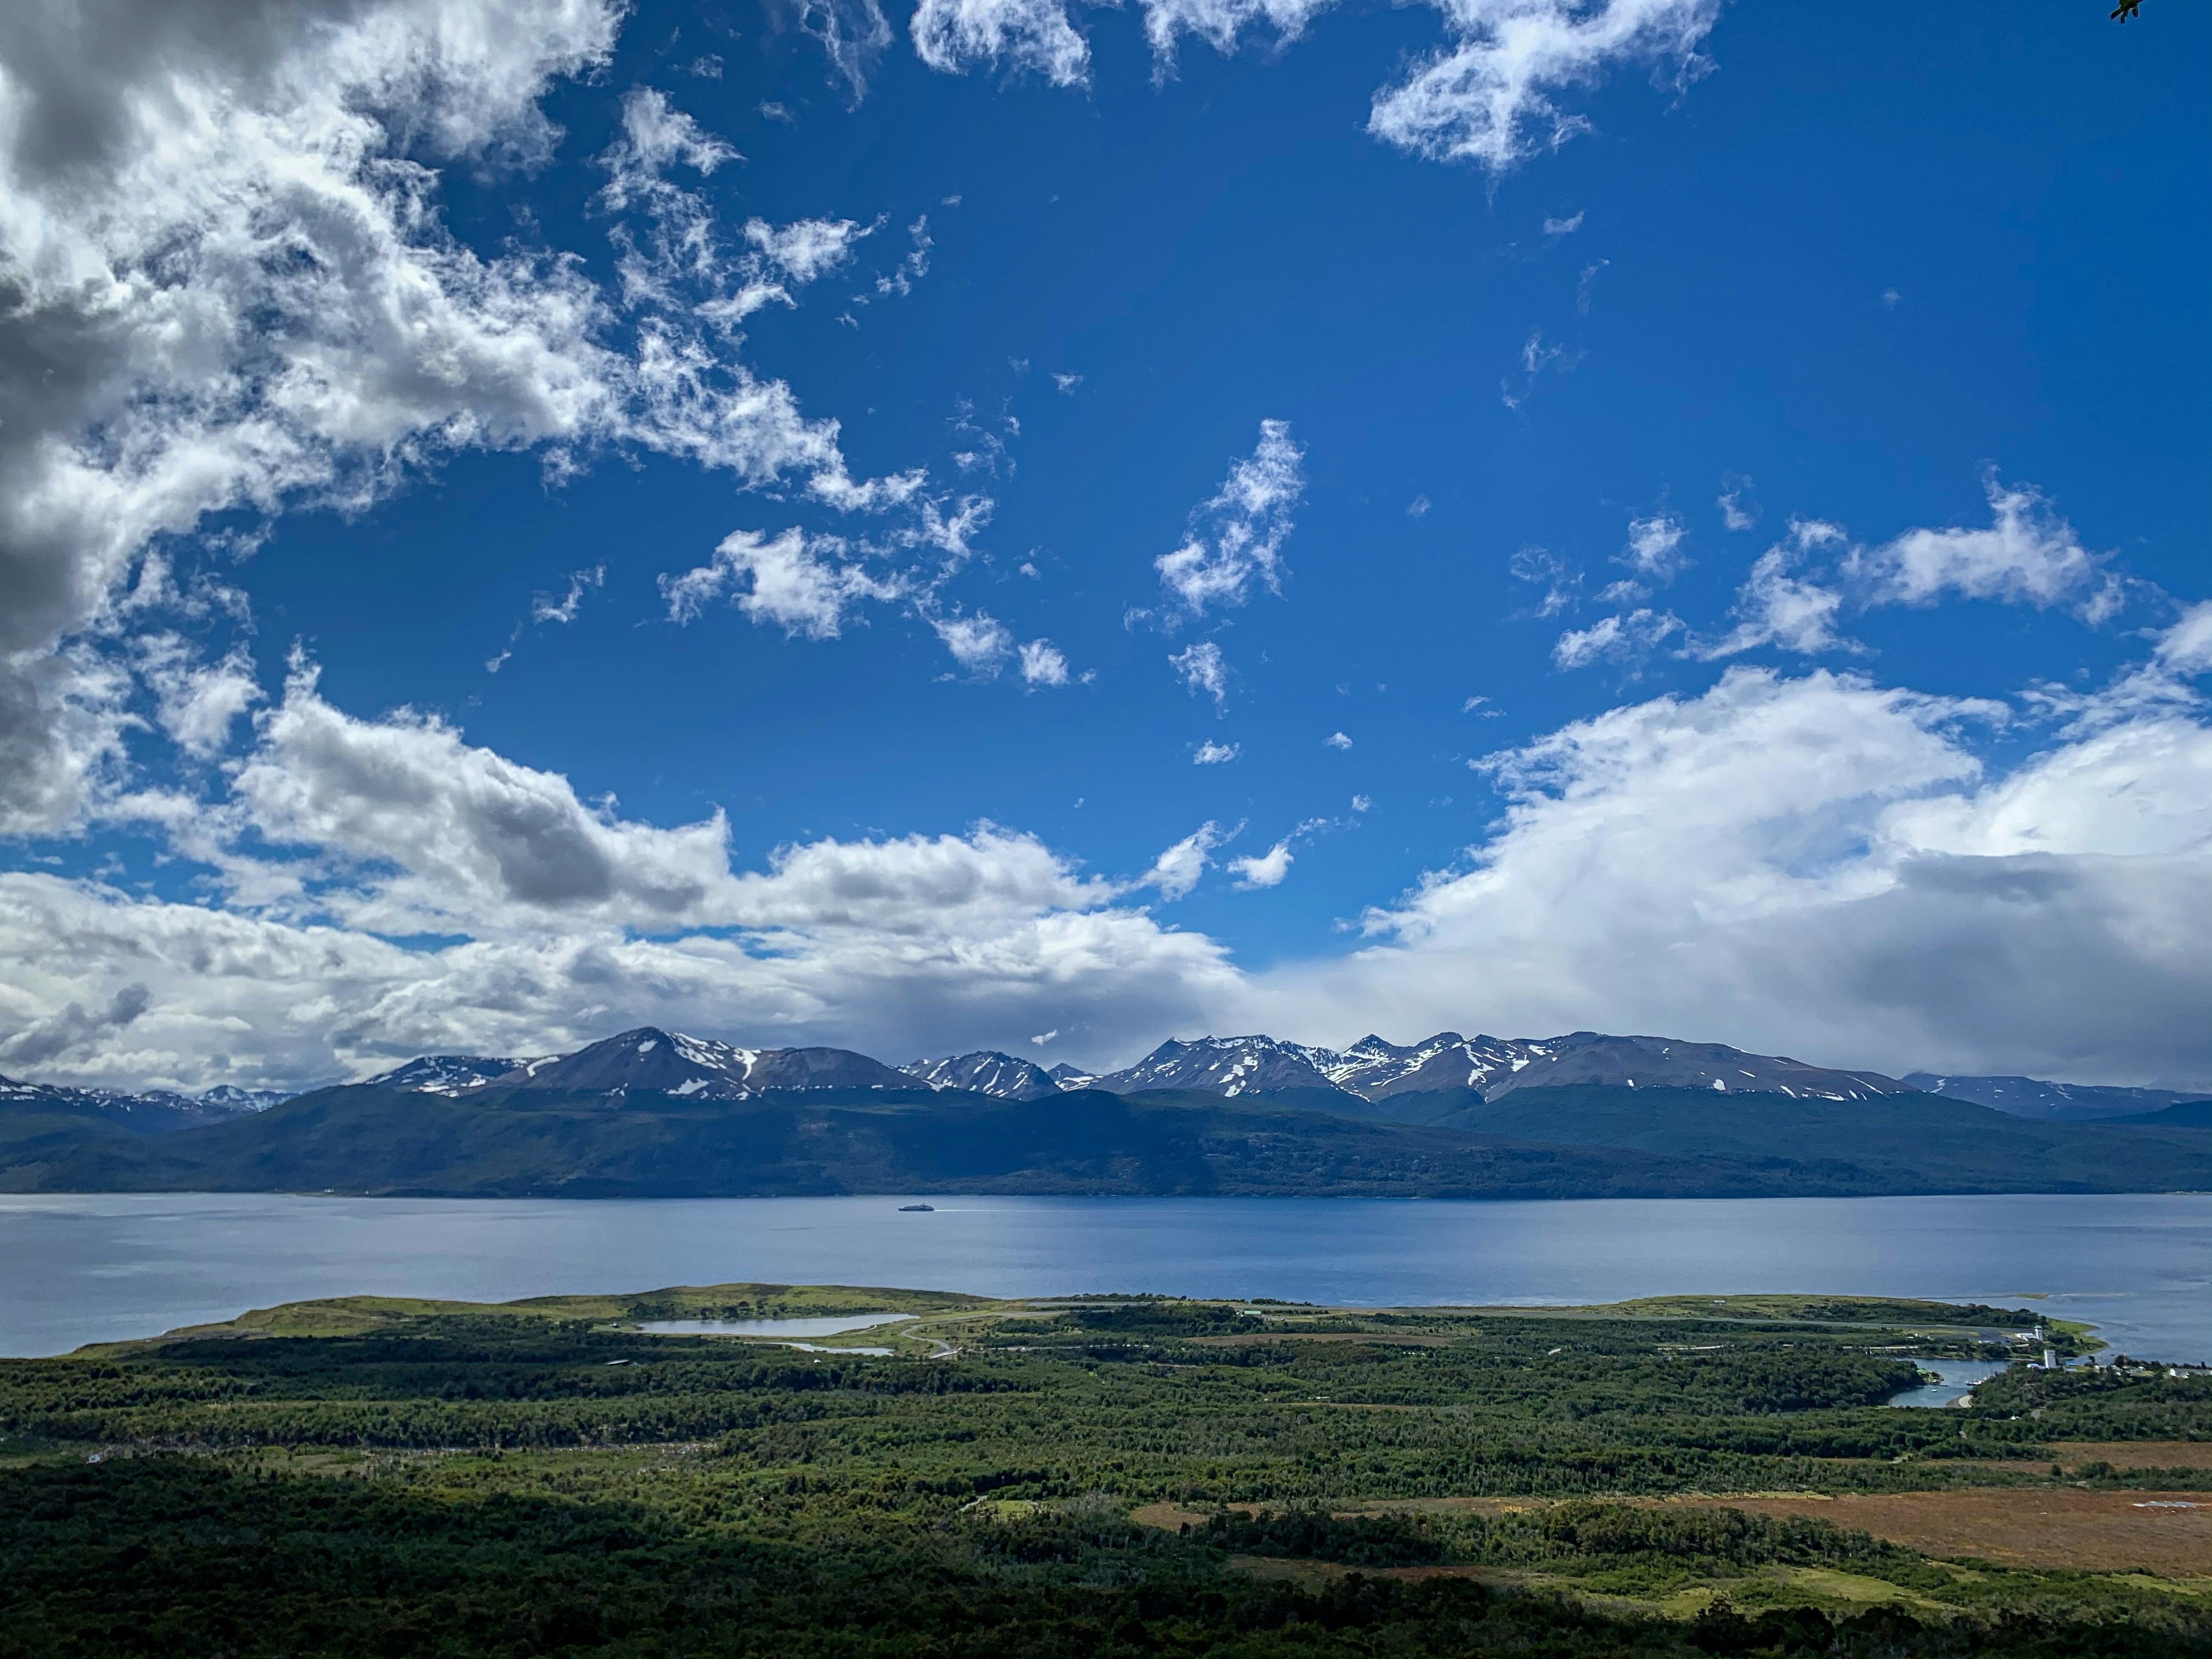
(1916, 290)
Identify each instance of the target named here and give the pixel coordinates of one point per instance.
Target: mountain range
(1371, 1070)
(656, 1113)
(2054, 1103)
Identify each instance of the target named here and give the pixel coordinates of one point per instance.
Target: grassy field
(1095, 1474)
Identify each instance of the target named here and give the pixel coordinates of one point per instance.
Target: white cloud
(656, 136)
(978, 641)
(1775, 607)
(1558, 228)
(853, 33)
(1043, 664)
(1202, 669)
(805, 585)
(1489, 98)
(1176, 870)
(2029, 555)
(1033, 35)
(1236, 538)
(1215, 754)
(414, 831)
(1619, 637)
(231, 290)
(1362, 803)
(890, 946)
(1654, 548)
(805, 248)
(1547, 570)
(197, 703)
(1336, 740)
(2186, 648)
(1066, 384)
(1219, 22)
(1818, 866)
(1735, 513)
(1418, 507)
(545, 609)
(1814, 865)
(1266, 869)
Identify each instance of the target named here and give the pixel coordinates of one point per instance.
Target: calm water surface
(98, 1268)
(1958, 1377)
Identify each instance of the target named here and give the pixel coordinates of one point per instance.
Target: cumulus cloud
(1202, 668)
(1818, 865)
(2027, 555)
(890, 946)
(1215, 754)
(1266, 869)
(227, 287)
(72, 1027)
(1776, 606)
(1032, 36)
(2186, 648)
(197, 703)
(1490, 97)
(1821, 866)
(808, 585)
(1336, 740)
(1176, 870)
(1237, 538)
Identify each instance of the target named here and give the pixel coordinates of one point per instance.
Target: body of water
(1958, 1377)
(77, 1268)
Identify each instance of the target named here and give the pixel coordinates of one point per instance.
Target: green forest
(1090, 1476)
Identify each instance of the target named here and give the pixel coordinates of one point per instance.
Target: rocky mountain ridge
(155, 1111)
(1370, 1076)
(2054, 1103)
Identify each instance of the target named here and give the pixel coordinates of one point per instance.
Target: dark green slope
(2189, 1114)
(1893, 1143)
(528, 1143)
(1586, 1142)
(38, 1134)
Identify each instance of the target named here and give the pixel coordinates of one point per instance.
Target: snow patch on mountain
(986, 1071)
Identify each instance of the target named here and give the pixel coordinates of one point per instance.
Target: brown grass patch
(2123, 1454)
(2100, 1531)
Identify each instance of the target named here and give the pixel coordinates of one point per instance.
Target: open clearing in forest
(2169, 1534)
(2165, 1533)
(2120, 1454)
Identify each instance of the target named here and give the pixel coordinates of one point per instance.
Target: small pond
(1958, 1377)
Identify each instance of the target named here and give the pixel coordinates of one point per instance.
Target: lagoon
(93, 1268)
